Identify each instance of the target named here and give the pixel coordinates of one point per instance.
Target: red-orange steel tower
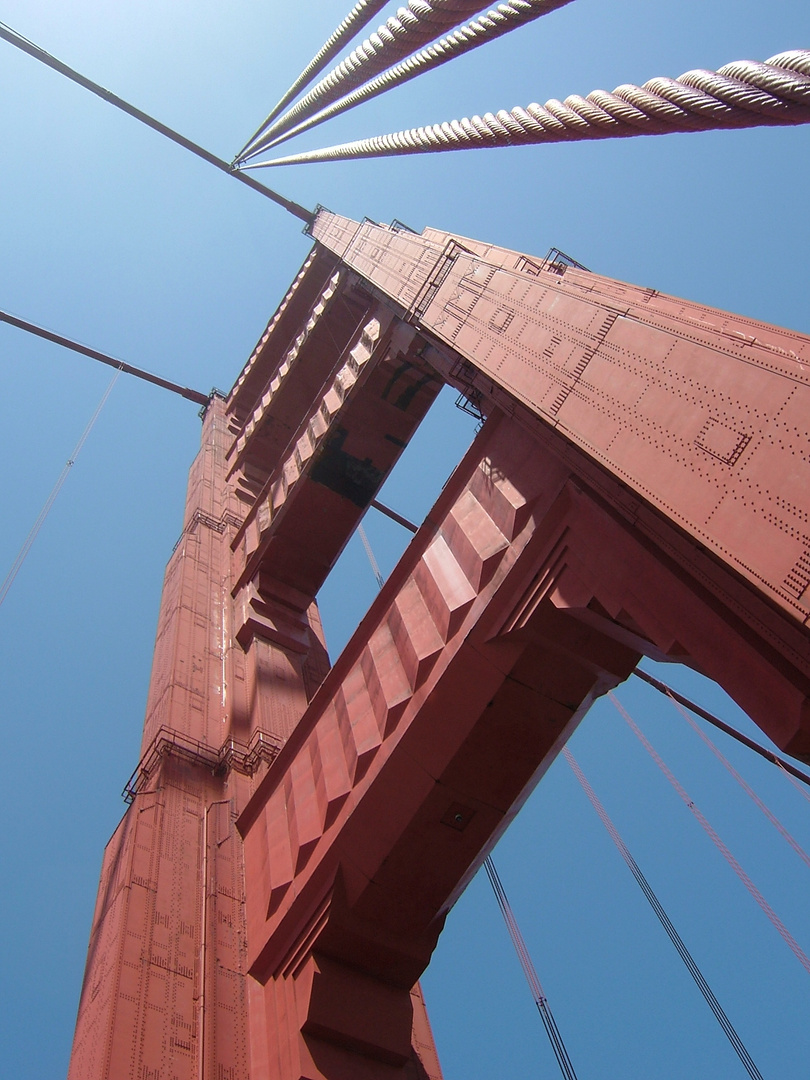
(297, 833)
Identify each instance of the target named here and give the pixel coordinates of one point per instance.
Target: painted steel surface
(297, 833)
(687, 420)
(419, 747)
(744, 93)
(239, 653)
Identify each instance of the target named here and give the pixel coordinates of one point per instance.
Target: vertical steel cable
(540, 999)
(774, 919)
(673, 935)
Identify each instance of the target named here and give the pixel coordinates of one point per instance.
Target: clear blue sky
(115, 237)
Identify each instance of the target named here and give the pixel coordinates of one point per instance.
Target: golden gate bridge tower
(298, 830)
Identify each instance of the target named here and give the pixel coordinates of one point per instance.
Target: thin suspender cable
(774, 820)
(741, 94)
(94, 354)
(46, 509)
(26, 46)
(763, 751)
(776, 922)
(663, 918)
(539, 997)
(493, 24)
(360, 16)
(375, 568)
(802, 790)
(412, 27)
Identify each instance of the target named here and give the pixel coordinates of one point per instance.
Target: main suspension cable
(493, 24)
(538, 995)
(22, 554)
(774, 919)
(412, 27)
(29, 47)
(673, 935)
(742, 94)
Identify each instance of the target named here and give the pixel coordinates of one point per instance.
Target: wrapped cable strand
(771, 79)
(738, 93)
(409, 30)
(558, 118)
(693, 103)
(791, 60)
(578, 113)
(359, 17)
(658, 106)
(623, 108)
(628, 111)
(493, 24)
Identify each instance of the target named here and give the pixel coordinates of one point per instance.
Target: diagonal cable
(493, 24)
(673, 935)
(29, 47)
(802, 790)
(766, 908)
(774, 820)
(742, 94)
(763, 751)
